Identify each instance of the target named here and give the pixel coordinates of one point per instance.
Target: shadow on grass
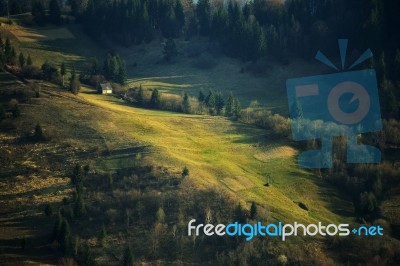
(36, 248)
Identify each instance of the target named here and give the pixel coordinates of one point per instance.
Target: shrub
(185, 171)
(75, 86)
(50, 73)
(31, 72)
(38, 134)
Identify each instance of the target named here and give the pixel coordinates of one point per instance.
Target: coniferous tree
(230, 104)
(74, 83)
(13, 59)
(103, 233)
(121, 76)
(63, 72)
(29, 60)
(253, 211)
(88, 257)
(80, 205)
(8, 51)
(210, 101)
(57, 227)
(237, 109)
(203, 11)
(155, 99)
(179, 14)
(66, 239)
(219, 102)
(55, 12)
(38, 12)
(21, 60)
(186, 103)
(140, 96)
(201, 98)
(128, 256)
(170, 50)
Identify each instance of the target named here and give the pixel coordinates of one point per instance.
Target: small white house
(105, 88)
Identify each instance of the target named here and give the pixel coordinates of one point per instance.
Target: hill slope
(109, 134)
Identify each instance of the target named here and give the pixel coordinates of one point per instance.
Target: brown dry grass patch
(237, 183)
(276, 153)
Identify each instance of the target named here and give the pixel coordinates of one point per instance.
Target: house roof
(105, 86)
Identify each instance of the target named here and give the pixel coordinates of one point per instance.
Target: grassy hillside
(223, 153)
(110, 135)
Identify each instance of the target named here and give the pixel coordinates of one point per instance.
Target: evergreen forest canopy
(248, 30)
(259, 28)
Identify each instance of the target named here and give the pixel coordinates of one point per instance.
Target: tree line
(247, 30)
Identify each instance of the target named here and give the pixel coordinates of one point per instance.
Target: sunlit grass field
(222, 153)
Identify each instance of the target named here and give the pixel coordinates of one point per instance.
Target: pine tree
(86, 170)
(21, 60)
(13, 60)
(180, 16)
(128, 256)
(210, 101)
(57, 227)
(170, 50)
(201, 98)
(38, 12)
(55, 12)
(219, 102)
(103, 233)
(203, 11)
(77, 174)
(155, 99)
(140, 96)
(29, 60)
(66, 239)
(230, 104)
(253, 211)
(8, 51)
(237, 109)
(121, 76)
(80, 206)
(186, 103)
(74, 83)
(63, 72)
(88, 257)
(240, 215)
